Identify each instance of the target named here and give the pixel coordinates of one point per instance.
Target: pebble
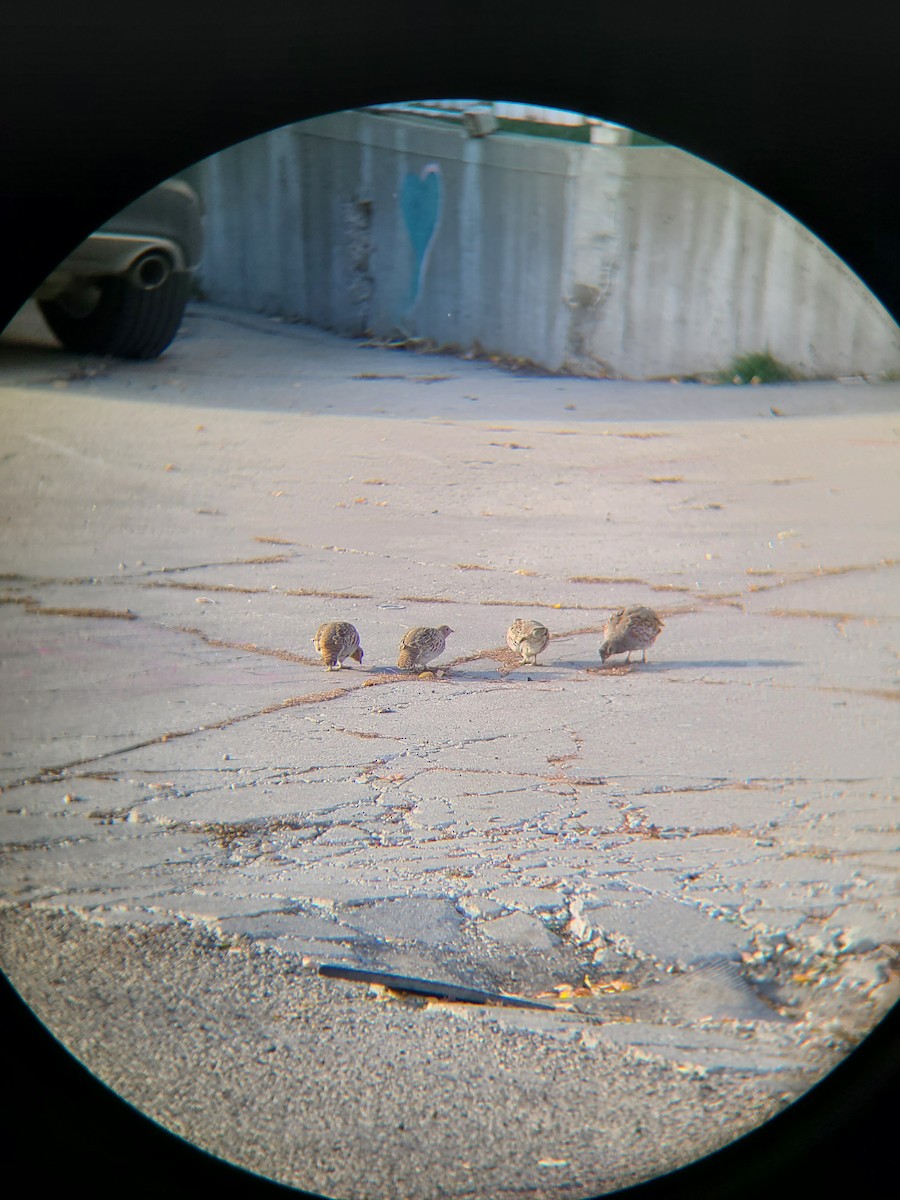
(864, 974)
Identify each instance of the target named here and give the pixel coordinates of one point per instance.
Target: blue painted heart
(420, 203)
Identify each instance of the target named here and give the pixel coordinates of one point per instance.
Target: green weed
(761, 367)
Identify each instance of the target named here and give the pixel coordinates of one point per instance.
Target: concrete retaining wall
(638, 262)
(701, 268)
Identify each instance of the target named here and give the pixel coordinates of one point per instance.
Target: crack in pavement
(709, 597)
(46, 773)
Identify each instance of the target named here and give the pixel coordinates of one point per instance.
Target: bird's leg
(628, 657)
(643, 656)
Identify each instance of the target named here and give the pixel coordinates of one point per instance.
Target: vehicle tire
(126, 321)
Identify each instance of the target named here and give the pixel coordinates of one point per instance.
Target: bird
(336, 641)
(632, 628)
(419, 646)
(527, 638)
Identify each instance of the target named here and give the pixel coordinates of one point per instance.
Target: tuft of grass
(761, 367)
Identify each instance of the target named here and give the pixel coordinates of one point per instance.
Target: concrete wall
(361, 223)
(701, 268)
(637, 262)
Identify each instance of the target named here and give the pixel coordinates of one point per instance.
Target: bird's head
(604, 652)
(445, 629)
(357, 654)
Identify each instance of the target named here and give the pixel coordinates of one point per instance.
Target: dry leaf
(614, 985)
(803, 977)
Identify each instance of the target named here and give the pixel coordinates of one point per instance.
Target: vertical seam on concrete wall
(565, 313)
(470, 235)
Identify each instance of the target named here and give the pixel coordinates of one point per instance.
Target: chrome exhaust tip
(150, 271)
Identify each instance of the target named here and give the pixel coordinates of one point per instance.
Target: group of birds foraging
(628, 630)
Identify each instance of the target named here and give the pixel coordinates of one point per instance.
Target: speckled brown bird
(336, 641)
(527, 638)
(419, 646)
(628, 629)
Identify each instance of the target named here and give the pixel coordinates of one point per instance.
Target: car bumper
(149, 260)
(157, 235)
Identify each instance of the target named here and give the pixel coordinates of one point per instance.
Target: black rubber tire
(126, 322)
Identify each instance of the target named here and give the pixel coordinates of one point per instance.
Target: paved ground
(695, 857)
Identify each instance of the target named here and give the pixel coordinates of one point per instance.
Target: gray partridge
(527, 638)
(336, 641)
(419, 646)
(628, 629)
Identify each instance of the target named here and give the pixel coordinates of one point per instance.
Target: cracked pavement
(693, 858)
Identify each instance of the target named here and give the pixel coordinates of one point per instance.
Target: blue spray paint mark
(420, 202)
